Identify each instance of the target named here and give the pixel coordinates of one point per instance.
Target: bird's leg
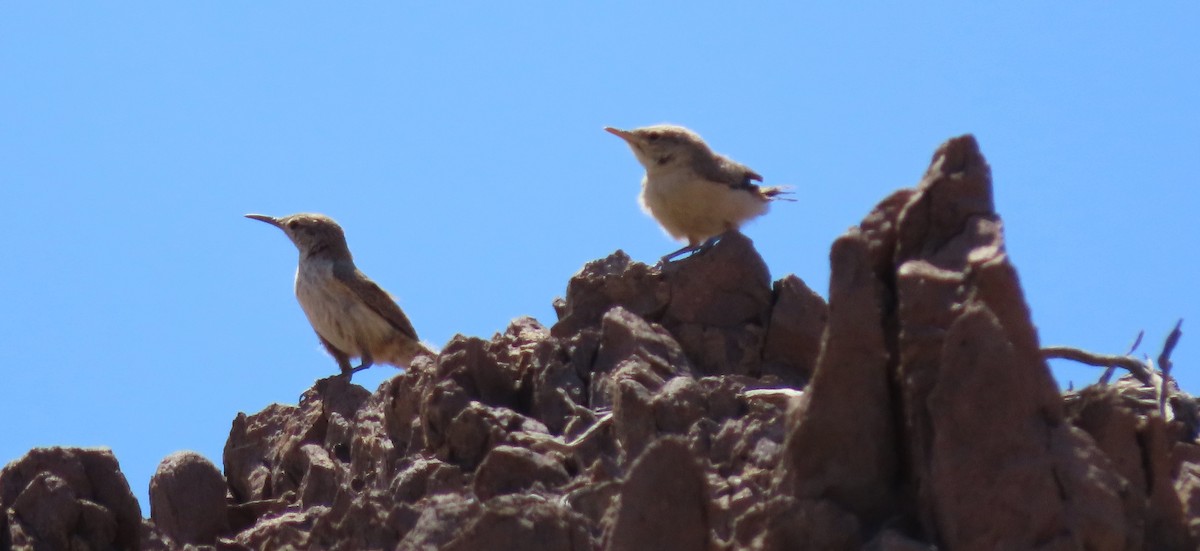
(693, 248)
(367, 361)
(709, 243)
(685, 250)
(342, 358)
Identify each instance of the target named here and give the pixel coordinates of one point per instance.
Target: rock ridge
(697, 406)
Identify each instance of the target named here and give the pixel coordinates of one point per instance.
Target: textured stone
(187, 499)
(509, 469)
(843, 442)
(62, 498)
(663, 502)
(793, 340)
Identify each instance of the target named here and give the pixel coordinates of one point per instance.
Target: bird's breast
(689, 206)
(335, 312)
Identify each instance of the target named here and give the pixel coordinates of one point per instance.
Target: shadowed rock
(843, 444)
(509, 469)
(187, 499)
(719, 307)
(68, 498)
(663, 502)
(798, 318)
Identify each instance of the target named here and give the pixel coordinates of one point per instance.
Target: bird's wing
(375, 298)
(723, 170)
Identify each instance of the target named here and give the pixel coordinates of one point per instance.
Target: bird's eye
(653, 136)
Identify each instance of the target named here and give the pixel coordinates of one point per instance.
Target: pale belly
(696, 209)
(338, 316)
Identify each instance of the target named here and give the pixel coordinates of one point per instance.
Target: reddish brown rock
(603, 284)
(187, 499)
(264, 451)
(470, 363)
(719, 307)
(523, 523)
(647, 353)
(663, 502)
(786, 523)
(843, 444)
(798, 318)
(509, 469)
(68, 498)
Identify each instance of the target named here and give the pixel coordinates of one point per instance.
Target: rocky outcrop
(187, 500)
(67, 498)
(696, 406)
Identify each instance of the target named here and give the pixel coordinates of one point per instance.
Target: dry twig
(1134, 366)
(1108, 373)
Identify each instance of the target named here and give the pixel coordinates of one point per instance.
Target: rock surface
(697, 406)
(187, 499)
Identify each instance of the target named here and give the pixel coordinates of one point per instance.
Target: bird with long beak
(353, 317)
(694, 193)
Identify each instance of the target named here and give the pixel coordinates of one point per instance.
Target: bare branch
(1136, 342)
(1132, 365)
(1164, 357)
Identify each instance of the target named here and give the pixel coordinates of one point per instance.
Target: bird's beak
(623, 134)
(264, 218)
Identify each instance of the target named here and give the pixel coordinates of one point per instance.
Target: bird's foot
(692, 249)
(666, 259)
(348, 372)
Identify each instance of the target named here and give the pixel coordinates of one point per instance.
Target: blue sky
(461, 148)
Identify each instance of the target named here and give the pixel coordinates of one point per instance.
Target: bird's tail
(775, 193)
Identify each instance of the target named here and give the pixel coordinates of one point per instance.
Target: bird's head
(663, 146)
(313, 234)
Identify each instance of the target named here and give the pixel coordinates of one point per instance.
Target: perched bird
(353, 317)
(694, 193)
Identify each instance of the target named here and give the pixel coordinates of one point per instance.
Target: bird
(352, 315)
(694, 193)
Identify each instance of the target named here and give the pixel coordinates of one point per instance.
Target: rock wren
(353, 317)
(693, 192)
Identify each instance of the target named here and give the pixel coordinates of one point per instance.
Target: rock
(265, 450)
(607, 283)
(523, 523)
(843, 441)
(187, 499)
(509, 469)
(1015, 502)
(719, 307)
(679, 403)
(891, 540)
(784, 523)
(292, 530)
(427, 477)
(663, 501)
(62, 498)
(633, 412)
(1187, 485)
(443, 518)
(693, 407)
(625, 340)
(798, 318)
(559, 389)
(469, 362)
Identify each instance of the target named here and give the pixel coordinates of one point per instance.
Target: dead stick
(1164, 357)
(1132, 365)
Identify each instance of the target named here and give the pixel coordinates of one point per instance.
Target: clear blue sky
(460, 146)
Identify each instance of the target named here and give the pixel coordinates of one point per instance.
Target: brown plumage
(352, 315)
(694, 193)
